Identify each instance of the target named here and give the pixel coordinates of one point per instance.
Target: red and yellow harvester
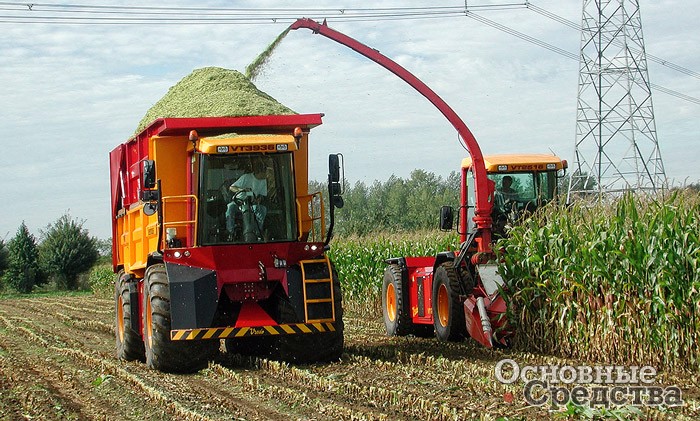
(451, 293)
(195, 262)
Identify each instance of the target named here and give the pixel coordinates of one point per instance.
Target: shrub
(101, 281)
(67, 251)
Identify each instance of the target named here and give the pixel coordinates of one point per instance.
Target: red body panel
(242, 263)
(420, 288)
(252, 315)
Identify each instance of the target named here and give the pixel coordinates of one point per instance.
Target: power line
(160, 13)
(577, 27)
(565, 53)
(81, 14)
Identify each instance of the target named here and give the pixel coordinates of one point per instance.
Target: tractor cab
(523, 183)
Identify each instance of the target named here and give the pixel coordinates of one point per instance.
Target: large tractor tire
(395, 305)
(129, 342)
(448, 309)
(162, 353)
(310, 348)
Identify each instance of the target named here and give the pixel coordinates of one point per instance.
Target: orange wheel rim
(391, 302)
(443, 305)
(120, 318)
(148, 329)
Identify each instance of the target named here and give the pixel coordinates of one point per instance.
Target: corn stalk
(614, 283)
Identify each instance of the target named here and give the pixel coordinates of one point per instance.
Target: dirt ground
(57, 362)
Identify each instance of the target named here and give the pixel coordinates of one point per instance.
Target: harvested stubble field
(57, 361)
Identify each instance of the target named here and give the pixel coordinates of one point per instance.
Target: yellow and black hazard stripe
(241, 332)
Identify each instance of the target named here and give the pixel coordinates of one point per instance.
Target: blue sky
(71, 93)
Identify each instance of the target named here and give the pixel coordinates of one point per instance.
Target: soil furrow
(293, 394)
(209, 399)
(52, 387)
(57, 361)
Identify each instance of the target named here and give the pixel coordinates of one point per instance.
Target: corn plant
(616, 283)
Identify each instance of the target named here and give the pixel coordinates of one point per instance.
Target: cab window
(247, 198)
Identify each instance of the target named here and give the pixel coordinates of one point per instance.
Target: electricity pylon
(616, 144)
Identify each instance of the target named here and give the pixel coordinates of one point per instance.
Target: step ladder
(318, 291)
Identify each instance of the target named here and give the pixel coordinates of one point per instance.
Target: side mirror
(148, 174)
(335, 187)
(446, 218)
(334, 167)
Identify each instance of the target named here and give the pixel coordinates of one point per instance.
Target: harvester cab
(523, 184)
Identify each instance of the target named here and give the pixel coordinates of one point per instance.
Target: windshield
(246, 198)
(538, 187)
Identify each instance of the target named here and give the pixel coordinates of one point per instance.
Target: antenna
(616, 143)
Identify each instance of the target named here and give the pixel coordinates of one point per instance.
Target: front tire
(395, 306)
(162, 353)
(129, 343)
(448, 309)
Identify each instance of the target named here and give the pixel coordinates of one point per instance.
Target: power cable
(567, 54)
(81, 14)
(576, 26)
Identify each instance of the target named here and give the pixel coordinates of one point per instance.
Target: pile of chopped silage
(213, 92)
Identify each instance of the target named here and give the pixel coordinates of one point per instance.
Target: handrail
(190, 224)
(312, 217)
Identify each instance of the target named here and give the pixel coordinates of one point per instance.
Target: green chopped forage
(213, 92)
(256, 67)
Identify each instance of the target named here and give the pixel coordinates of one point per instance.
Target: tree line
(412, 204)
(63, 251)
(396, 204)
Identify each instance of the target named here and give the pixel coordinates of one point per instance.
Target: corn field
(614, 283)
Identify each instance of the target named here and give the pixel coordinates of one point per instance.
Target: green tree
(581, 182)
(23, 272)
(104, 250)
(3, 257)
(67, 250)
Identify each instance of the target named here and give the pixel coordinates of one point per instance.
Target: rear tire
(162, 353)
(448, 309)
(129, 342)
(395, 305)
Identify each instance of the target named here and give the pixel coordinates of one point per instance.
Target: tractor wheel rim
(148, 329)
(443, 305)
(120, 318)
(391, 302)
